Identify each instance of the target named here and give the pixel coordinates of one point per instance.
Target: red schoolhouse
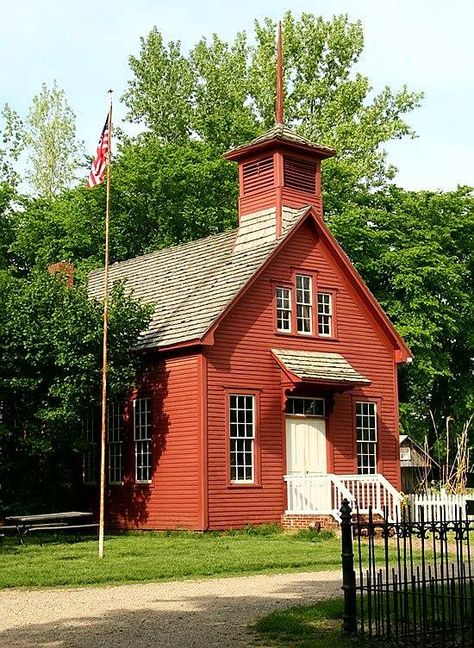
(268, 389)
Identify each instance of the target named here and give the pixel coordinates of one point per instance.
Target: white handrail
(323, 494)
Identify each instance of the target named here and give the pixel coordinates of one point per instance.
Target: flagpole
(103, 427)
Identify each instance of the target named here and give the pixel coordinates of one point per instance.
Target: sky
(426, 44)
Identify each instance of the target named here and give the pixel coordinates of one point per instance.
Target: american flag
(99, 163)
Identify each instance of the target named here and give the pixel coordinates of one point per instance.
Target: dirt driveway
(203, 613)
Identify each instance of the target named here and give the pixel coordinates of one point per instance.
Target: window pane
(303, 304)
(114, 442)
(283, 304)
(242, 434)
(324, 313)
(366, 427)
(142, 436)
(305, 406)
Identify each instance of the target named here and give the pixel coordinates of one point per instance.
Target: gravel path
(202, 613)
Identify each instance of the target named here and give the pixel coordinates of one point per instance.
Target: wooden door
(306, 446)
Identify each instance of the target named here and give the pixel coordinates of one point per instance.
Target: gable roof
(191, 284)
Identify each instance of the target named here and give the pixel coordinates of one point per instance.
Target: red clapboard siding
(172, 500)
(241, 358)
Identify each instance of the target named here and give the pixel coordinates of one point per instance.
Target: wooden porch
(319, 495)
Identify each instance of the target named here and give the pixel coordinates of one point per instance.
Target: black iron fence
(408, 583)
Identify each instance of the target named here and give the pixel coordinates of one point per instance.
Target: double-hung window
(366, 428)
(142, 438)
(283, 304)
(242, 437)
(114, 442)
(90, 466)
(324, 313)
(304, 306)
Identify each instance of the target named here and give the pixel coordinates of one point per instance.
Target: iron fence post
(348, 573)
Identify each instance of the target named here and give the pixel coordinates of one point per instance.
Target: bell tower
(279, 169)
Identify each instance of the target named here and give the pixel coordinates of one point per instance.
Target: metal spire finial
(279, 94)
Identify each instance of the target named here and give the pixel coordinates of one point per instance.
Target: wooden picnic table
(40, 522)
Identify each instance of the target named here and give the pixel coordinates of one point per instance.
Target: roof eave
(248, 150)
(402, 352)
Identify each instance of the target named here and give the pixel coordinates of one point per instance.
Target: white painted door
(308, 490)
(306, 446)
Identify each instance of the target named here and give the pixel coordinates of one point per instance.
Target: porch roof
(318, 366)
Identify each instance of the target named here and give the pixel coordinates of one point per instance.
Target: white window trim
(252, 439)
(306, 398)
(136, 441)
(308, 305)
(328, 315)
(286, 310)
(373, 443)
(114, 406)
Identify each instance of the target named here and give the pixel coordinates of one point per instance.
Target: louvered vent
(300, 174)
(258, 175)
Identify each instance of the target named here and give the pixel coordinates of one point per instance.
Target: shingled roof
(284, 134)
(319, 366)
(191, 284)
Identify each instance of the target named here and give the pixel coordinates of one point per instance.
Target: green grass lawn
(147, 556)
(314, 626)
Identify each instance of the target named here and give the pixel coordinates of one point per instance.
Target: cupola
(279, 169)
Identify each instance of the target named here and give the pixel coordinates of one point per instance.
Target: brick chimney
(64, 269)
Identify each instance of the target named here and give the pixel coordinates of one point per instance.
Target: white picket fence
(437, 506)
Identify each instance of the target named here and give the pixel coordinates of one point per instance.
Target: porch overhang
(318, 367)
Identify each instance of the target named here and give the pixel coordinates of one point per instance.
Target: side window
(366, 428)
(283, 305)
(142, 438)
(242, 437)
(114, 442)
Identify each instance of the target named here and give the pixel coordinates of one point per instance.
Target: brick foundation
(295, 522)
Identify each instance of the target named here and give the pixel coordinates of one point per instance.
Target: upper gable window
(304, 307)
(283, 305)
(325, 314)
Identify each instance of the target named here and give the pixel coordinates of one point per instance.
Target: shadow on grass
(314, 626)
(165, 615)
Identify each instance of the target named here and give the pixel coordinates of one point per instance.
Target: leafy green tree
(8, 198)
(49, 137)
(161, 195)
(158, 95)
(414, 249)
(226, 94)
(11, 145)
(51, 372)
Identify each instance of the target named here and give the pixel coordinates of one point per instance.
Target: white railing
(373, 490)
(315, 494)
(312, 494)
(437, 506)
